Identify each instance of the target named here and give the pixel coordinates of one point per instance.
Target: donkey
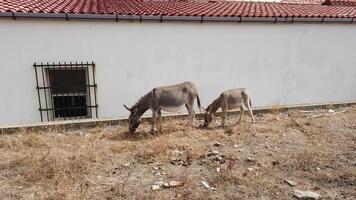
(228, 100)
(167, 98)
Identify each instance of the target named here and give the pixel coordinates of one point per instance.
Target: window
(66, 91)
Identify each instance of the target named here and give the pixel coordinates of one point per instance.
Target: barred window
(66, 90)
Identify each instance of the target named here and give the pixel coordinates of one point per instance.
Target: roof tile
(185, 8)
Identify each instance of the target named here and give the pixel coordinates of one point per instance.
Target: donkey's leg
(190, 110)
(250, 111)
(160, 120)
(242, 111)
(153, 120)
(224, 116)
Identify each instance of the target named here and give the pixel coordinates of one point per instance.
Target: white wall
(278, 63)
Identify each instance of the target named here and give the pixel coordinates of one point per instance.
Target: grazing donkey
(167, 98)
(228, 100)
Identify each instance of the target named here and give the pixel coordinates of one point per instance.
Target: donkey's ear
(129, 109)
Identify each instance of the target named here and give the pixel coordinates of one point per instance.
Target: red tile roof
(316, 2)
(340, 2)
(322, 2)
(176, 8)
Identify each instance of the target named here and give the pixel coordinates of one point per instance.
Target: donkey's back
(172, 97)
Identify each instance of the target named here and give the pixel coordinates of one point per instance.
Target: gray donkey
(167, 98)
(228, 100)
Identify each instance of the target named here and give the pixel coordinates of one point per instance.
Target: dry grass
(107, 162)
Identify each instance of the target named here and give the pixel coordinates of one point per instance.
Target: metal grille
(66, 90)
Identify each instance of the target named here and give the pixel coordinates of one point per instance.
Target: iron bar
(38, 92)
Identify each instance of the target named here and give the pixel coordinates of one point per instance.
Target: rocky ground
(282, 156)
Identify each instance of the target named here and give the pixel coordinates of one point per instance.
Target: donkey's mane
(143, 104)
(214, 106)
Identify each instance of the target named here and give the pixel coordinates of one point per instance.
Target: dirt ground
(315, 149)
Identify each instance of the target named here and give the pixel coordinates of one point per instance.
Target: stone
(250, 169)
(155, 187)
(205, 184)
(331, 111)
(212, 153)
(217, 144)
(156, 173)
(127, 164)
(175, 183)
(178, 152)
(220, 159)
(307, 195)
(290, 183)
(215, 152)
(166, 185)
(159, 183)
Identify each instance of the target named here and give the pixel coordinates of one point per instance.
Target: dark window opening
(70, 106)
(67, 81)
(66, 91)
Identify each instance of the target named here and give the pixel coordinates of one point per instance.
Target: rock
(166, 185)
(159, 183)
(178, 152)
(248, 159)
(127, 164)
(175, 183)
(218, 169)
(290, 183)
(156, 168)
(155, 187)
(250, 169)
(307, 195)
(205, 184)
(220, 159)
(213, 153)
(217, 144)
(318, 168)
(156, 173)
(331, 111)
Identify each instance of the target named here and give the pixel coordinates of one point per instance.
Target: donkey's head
(208, 117)
(134, 119)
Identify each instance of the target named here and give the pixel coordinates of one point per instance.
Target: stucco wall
(278, 63)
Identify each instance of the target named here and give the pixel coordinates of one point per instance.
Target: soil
(314, 149)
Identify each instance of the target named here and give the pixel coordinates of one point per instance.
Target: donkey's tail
(198, 101)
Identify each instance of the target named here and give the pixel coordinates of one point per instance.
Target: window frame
(46, 97)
